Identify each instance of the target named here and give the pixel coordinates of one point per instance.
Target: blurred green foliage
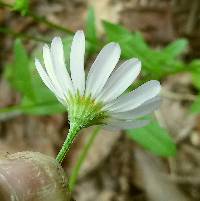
(154, 138)
(195, 71)
(195, 107)
(156, 63)
(36, 98)
(90, 33)
(21, 6)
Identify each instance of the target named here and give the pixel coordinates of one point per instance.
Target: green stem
(40, 19)
(43, 20)
(9, 31)
(67, 143)
(81, 159)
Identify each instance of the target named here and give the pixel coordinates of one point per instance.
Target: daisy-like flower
(97, 98)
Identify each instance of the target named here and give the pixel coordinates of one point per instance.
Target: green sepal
(85, 111)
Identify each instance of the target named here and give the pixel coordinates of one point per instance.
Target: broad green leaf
(18, 73)
(28, 107)
(116, 32)
(196, 79)
(155, 139)
(132, 45)
(41, 93)
(45, 102)
(194, 68)
(36, 98)
(91, 33)
(90, 26)
(194, 65)
(42, 108)
(156, 63)
(22, 6)
(195, 107)
(175, 48)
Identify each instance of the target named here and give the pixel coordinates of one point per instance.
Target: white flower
(98, 99)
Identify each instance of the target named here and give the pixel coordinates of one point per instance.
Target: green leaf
(132, 45)
(18, 73)
(28, 107)
(36, 99)
(156, 63)
(45, 102)
(175, 48)
(42, 108)
(22, 6)
(195, 107)
(194, 68)
(91, 33)
(116, 32)
(41, 92)
(155, 139)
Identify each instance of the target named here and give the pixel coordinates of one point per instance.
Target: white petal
(117, 124)
(77, 61)
(135, 98)
(60, 67)
(144, 109)
(102, 68)
(50, 69)
(46, 79)
(120, 80)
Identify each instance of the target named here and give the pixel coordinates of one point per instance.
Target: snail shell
(32, 176)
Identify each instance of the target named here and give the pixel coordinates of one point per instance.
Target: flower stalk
(74, 129)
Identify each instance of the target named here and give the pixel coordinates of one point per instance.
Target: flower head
(99, 98)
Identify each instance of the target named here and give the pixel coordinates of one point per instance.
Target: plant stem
(81, 159)
(43, 20)
(40, 19)
(67, 143)
(21, 35)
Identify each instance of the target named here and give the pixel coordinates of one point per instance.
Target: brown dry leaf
(111, 179)
(147, 20)
(175, 111)
(69, 14)
(156, 182)
(31, 133)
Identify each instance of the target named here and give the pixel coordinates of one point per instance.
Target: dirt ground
(116, 169)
